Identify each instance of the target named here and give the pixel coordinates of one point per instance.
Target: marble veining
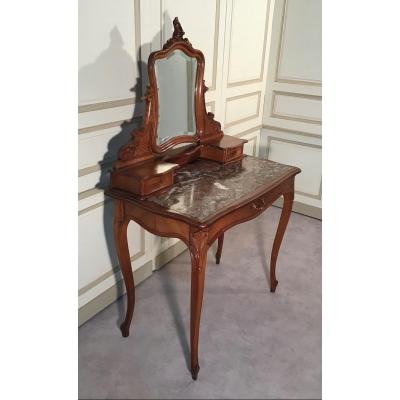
(204, 187)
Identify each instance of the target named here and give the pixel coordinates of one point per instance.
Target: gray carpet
(253, 343)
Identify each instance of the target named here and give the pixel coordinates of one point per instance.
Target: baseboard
(301, 208)
(103, 300)
(169, 254)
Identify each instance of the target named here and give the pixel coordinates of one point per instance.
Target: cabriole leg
(121, 245)
(283, 221)
(198, 252)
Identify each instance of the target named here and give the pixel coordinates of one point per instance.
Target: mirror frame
(178, 42)
(144, 140)
(160, 55)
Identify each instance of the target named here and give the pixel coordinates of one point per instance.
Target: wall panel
(107, 50)
(248, 32)
(303, 155)
(299, 58)
(298, 107)
(242, 108)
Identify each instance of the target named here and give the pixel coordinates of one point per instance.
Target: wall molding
(317, 196)
(260, 78)
(101, 165)
(92, 207)
(96, 167)
(247, 131)
(287, 79)
(238, 121)
(275, 114)
(105, 104)
(107, 125)
(298, 82)
(100, 127)
(292, 131)
(89, 193)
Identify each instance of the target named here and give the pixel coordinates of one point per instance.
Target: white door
(292, 112)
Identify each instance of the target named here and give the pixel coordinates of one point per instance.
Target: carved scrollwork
(212, 126)
(149, 94)
(177, 35)
(149, 99)
(198, 247)
(139, 148)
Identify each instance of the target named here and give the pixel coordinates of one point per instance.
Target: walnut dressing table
(183, 178)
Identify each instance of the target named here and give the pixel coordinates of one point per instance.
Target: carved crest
(178, 31)
(177, 35)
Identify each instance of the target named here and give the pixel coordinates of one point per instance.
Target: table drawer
(250, 210)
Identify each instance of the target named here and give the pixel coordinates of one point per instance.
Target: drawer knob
(258, 204)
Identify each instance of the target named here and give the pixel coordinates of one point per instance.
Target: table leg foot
(195, 372)
(124, 330)
(273, 286)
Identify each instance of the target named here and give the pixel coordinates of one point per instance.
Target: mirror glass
(176, 79)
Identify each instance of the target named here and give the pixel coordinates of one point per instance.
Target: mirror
(176, 79)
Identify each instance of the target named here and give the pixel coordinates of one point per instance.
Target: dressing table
(181, 177)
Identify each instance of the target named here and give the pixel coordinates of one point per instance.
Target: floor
(253, 343)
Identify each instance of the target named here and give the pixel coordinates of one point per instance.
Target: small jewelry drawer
(157, 182)
(234, 153)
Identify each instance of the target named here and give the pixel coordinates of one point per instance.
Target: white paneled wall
(291, 131)
(115, 39)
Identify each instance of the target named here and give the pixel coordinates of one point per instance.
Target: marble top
(205, 187)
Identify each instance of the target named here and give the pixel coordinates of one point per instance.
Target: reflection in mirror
(176, 78)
